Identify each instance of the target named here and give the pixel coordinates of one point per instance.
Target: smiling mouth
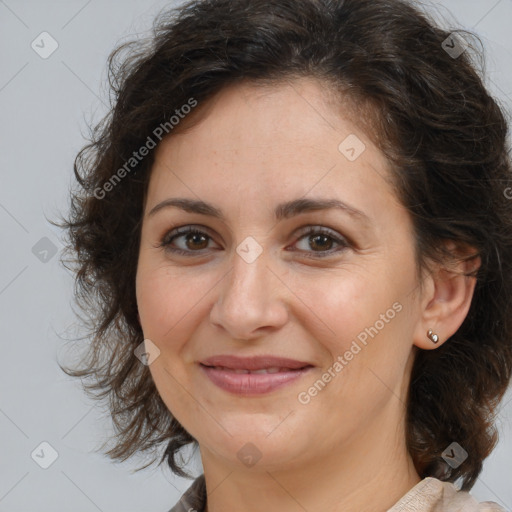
(274, 369)
(244, 382)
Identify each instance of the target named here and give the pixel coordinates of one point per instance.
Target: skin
(253, 148)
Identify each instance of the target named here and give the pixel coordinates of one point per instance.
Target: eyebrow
(282, 211)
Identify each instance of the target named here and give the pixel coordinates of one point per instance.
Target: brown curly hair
(426, 109)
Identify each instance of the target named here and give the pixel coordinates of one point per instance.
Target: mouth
(274, 369)
(253, 376)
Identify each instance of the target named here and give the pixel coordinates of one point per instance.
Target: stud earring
(433, 337)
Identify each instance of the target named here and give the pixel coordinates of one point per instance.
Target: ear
(446, 297)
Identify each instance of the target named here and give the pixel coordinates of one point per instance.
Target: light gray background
(45, 104)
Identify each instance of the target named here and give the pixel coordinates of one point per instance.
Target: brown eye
(193, 240)
(320, 241)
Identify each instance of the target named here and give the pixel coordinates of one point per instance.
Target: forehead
(255, 143)
(301, 111)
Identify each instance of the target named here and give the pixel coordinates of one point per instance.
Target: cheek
(341, 305)
(366, 347)
(362, 315)
(169, 306)
(157, 298)
(169, 302)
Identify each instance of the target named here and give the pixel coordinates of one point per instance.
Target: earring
(433, 337)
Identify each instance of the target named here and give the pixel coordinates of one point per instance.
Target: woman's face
(261, 279)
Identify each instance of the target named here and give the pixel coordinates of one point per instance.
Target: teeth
(266, 370)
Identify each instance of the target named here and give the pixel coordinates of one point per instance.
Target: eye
(194, 240)
(319, 239)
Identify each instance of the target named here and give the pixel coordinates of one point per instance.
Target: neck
(369, 472)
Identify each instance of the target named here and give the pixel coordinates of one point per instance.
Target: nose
(251, 300)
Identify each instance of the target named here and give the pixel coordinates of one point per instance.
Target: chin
(252, 445)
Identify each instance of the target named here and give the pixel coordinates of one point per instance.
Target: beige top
(429, 495)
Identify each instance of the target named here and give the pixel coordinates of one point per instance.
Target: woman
(295, 245)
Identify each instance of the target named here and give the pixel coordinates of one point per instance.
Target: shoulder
(194, 498)
(429, 495)
(433, 495)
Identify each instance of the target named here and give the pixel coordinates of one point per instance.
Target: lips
(253, 375)
(255, 364)
(274, 369)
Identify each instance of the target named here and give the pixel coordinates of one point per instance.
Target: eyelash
(172, 235)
